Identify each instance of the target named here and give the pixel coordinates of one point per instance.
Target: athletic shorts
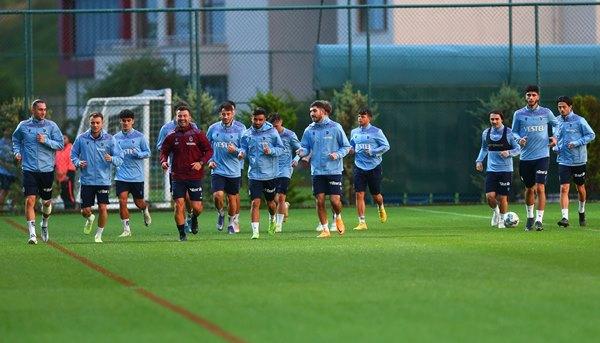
(256, 188)
(191, 187)
(136, 189)
(91, 193)
(364, 178)
(283, 183)
(327, 184)
(231, 185)
(38, 183)
(534, 171)
(6, 181)
(498, 182)
(565, 173)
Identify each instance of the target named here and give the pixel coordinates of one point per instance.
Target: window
(215, 85)
(213, 23)
(147, 25)
(178, 23)
(377, 16)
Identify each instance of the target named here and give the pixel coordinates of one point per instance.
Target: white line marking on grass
(446, 212)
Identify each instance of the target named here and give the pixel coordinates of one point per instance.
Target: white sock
(380, 206)
(221, 211)
(279, 218)
(31, 227)
(496, 210)
(337, 215)
(539, 216)
(582, 207)
(99, 232)
(89, 217)
(45, 221)
(125, 224)
(254, 227)
(529, 209)
(502, 216)
(361, 219)
(230, 218)
(325, 226)
(236, 218)
(565, 213)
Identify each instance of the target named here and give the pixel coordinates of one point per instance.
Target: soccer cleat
(529, 224)
(286, 213)
(255, 235)
(125, 234)
(87, 228)
(495, 219)
(278, 228)
(182, 238)
(231, 229)
(538, 226)
(220, 221)
(501, 224)
(271, 230)
(339, 225)
(382, 215)
(32, 239)
(98, 239)
(236, 226)
(194, 225)
(324, 234)
(563, 222)
(147, 218)
(45, 236)
(361, 227)
(187, 226)
(582, 221)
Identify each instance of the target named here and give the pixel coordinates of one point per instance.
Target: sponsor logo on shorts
(47, 189)
(103, 191)
(335, 183)
(196, 189)
(505, 184)
(579, 175)
(542, 172)
(269, 190)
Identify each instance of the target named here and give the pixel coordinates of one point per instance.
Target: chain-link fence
(424, 66)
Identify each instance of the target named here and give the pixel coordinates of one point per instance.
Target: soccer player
(162, 134)
(262, 145)
(286, 166)
(190, 151)
(226, 169)
(368, 144)
(7, 176)
(499, 145)
(573, 135)
(326, 142)
(129, 177)
(531, 126)
(35, 142)
(94, 153)
(65, 173)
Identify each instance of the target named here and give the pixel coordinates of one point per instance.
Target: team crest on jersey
(326, 132)
(191, 138)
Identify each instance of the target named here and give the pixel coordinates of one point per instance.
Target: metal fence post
(197, 78)
(349, 14)
(510, 42)
(191, 43)
(537, 45)
(368, 43)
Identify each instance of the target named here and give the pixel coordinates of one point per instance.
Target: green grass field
(428, 274)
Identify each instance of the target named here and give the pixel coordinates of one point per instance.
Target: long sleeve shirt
(98, 171)
(262, 166)
(187, 146)
(290, 145)
(135, 149)
(36, 156)
(321, 139)
(573, 129)
(369, 144)
(495, 161)
(220, 136)
(64, 163)
(533, 124)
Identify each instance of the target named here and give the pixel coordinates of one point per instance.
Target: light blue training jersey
(290, 145)
(573, 128)
(219, 136)
(135, 149)
(261, 166)
(6, 156)
(36, 156)
(495, 162)
(321, 139)
(369, 144)
(87, 148)
(533, 124)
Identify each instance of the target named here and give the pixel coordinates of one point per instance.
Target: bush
(11, 113)
(588, 107)
(286, 106)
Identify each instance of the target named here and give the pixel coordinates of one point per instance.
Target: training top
(573, 128)
(290, 145)
(36, 156)
(533, 124)
(321, 139)
(186, 145)
(98, 171)
(369, 144)
(261, 166)
(6, 157)
(135, 149)
(219, 135)
(495, 162)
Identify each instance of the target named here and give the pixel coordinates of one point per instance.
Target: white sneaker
(125, 234)
(87, 228)
(495, 219)
(45, 235)
(147, 218)
(32, 239)
(98, 239)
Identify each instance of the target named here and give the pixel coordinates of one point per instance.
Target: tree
(133, 76)
(10, 113)
(588, 107)
(286, 106)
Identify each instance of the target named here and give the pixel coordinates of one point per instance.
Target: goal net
(152, 110)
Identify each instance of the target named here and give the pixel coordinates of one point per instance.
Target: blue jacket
(573, 129)
(290, 145)
(219, 136)
(321, 139)
(98, 171)
(261, 166)
(135, 149)
(533, 124)
(37, 157)
(495, 162)
(369, 144)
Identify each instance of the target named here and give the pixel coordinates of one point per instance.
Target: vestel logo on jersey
(535, 128)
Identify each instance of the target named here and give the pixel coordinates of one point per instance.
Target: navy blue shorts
(38, 183)
(498, 182)
(231, 185)
(89, 193)
(327, 184)
(136, 189)
(191, 187)
(576, 172)
(6, 181)
(256, 188)
(283, 183)
(371, 178)
(534, 171)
